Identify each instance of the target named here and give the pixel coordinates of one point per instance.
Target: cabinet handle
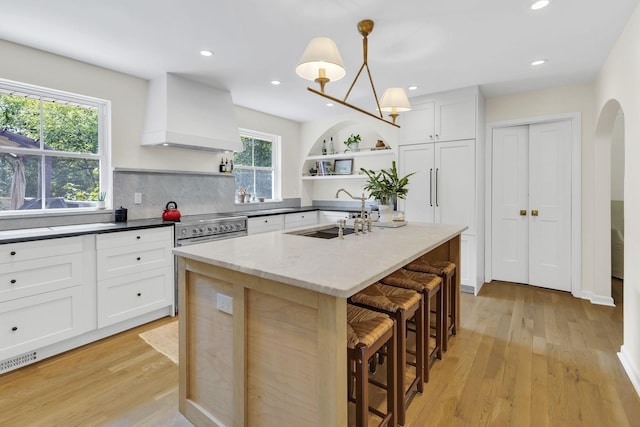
(431, 137)
(437, 136)
(13, 281)
(138, 237)
(437, 170)
(138, 258)
(266, 220)
(139, 294)
(15, 328)
(523, 212)
(534, 213)
(13, 253)
(431, 187)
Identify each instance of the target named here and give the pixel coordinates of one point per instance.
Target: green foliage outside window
(50, 127)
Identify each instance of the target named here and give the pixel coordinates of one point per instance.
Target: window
(256, 168)
(54, 151)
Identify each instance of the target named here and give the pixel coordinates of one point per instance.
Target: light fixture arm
(365, 28)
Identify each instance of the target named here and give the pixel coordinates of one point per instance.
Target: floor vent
(23, 359)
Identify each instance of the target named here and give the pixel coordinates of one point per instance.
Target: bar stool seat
(367, 332)
(447, 271)
(430, 286)
(401, 304)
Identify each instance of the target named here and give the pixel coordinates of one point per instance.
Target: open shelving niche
(369, 139)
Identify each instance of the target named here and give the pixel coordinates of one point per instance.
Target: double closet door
(531, 205)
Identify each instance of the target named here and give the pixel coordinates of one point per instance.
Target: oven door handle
(203, 239)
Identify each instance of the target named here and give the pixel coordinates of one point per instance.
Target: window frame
(275, 160)
(103, 156)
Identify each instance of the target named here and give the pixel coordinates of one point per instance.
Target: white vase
(100, 204)
(386, 213)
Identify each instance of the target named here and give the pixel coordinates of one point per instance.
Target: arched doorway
(609, 131)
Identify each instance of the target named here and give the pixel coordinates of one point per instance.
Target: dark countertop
(41, 233)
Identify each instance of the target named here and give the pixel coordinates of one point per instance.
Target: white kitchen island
(280, 357)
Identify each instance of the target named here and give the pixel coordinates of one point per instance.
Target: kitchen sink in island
(263, 320)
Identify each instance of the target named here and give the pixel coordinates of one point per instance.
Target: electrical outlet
(137, 198)
(224, 303)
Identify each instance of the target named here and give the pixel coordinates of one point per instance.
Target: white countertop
(330, 266)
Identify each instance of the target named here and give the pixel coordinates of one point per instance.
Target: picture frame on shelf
(343, 166)
(324, 168)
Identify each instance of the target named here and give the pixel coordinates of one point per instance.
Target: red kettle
(171, 212)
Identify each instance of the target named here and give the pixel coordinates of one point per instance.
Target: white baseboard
(598, 299)
(630, 369)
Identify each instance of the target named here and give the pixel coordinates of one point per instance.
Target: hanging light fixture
(321, 62)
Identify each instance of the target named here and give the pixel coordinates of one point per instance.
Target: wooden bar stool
(447, 271)
(401, 304)
(367, 332)
(430, 286)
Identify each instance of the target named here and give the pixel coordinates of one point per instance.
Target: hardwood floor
(524, 356)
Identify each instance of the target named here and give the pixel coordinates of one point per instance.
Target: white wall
(618, 80)
(568, 99)
(128, 96)
(617, 159)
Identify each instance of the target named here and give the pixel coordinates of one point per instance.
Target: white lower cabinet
(47, 294)
(126, 297)
(135, 274)
(57, 294)
(264, 224)
(300, 219)
(40, 320)
(332, 216)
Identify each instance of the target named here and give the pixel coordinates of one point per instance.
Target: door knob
(523, 212)
(534, 213)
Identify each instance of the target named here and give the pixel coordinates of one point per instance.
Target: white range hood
(186, 114)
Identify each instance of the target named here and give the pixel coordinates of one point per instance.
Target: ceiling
(436, 45)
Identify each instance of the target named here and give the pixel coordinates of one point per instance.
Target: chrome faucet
(362, 199)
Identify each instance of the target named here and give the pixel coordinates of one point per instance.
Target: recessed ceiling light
(329, 104)
(275, 82)
(412, 87)
(538, 62)
(539, 4)
(205, 52)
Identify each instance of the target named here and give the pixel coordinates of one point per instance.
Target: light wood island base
(279, 359)
(283, 346)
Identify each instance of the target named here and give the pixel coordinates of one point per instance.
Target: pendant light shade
(394, 101)
(321, 62)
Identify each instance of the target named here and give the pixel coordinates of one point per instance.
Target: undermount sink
(324, 233)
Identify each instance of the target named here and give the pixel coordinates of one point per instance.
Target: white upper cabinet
(438, 119)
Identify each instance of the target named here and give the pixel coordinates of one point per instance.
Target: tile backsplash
(194, 193)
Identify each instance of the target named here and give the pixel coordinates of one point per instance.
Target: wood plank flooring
(524, 356)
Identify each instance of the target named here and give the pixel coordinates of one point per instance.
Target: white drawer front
(32, 277)
(265, 224)
(134, 238)
(115, 262)
(300, 219)
(127, 297)
(16, 252)
(27, 324)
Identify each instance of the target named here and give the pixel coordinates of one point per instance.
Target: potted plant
(352, 143)
(102, 195)
(386, 187)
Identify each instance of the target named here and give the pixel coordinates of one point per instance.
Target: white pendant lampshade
(395, 97)
(394, 101)
(321, 62)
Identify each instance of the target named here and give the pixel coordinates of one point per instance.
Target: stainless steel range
(207, 227)
(204, 228)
